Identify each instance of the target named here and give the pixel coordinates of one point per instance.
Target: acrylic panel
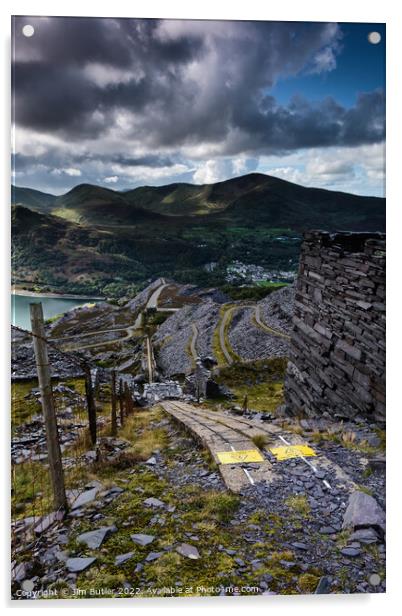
(198, 305)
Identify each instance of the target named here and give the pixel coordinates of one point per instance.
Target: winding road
(88, 334)
(153, 299)
(130, 331)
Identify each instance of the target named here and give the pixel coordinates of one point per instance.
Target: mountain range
(87, 237)
(261, 197)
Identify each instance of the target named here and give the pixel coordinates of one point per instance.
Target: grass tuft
(260, 441)
(308, 582)
(299, 504)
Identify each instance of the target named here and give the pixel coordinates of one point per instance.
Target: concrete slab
(219, 431)
(218, 437)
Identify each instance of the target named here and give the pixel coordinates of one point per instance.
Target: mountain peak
(253, 198)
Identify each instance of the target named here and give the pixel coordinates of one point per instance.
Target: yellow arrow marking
(292, 451)
(235, 457)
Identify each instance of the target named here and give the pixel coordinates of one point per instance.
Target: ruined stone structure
(337, 354)
(155, 392)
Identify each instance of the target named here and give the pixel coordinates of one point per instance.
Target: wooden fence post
(121, 402)
(113, 430)
(129, 401)
(89, 392)
(49, 413)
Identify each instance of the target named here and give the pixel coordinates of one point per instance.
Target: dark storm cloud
(54, 159)
(170, 84)
(51, 99)
(117, 42)
(303, 124)
(69, 41)
(365, 121)
(52, 91)
(145, 161)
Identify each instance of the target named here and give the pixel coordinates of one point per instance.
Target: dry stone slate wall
(337, 352)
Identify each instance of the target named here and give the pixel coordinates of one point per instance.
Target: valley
(96, 241)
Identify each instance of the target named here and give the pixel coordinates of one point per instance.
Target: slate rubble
(277, 309)
(182, 464)
(250, 342)
(309, 546)
(173, 337)
(23, 359)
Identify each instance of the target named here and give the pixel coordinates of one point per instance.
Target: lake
(52, 306)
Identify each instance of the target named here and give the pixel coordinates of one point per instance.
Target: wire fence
(87, 409)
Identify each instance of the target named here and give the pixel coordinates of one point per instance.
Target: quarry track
(222, 329)
(220, 432)
(259, 322)
(256, 321)
(222, 342)
(130, 330)
(89, 334)
(193, 341)
(153, 299)
(150, 360)
(130, 333)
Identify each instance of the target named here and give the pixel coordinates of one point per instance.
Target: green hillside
(251, 199)
(54, 254)
(97, 239)
(34, 199)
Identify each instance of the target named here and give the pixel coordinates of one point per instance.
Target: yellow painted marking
(233, 457)
(292, 451)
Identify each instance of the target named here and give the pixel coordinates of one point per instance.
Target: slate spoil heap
(23, 359)
(337, 354)
(171, 518)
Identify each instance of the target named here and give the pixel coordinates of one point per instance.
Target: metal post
(90, 404)
(113, 430)
(49, 413)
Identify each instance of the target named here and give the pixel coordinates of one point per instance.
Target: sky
(131, 102)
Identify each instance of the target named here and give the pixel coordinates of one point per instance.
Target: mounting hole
(28, 30)
(374, 38)
(374, 579)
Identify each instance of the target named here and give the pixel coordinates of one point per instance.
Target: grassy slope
(253, 197)
(140, 234)
(34, 199)
(57, 252)
(261, 381)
